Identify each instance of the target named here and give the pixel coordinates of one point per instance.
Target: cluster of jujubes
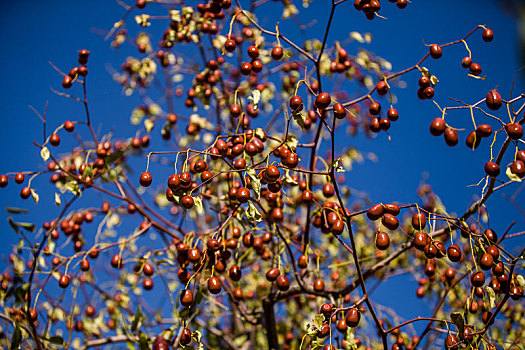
(254, 228)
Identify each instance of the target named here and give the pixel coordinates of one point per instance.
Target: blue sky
(36, 32)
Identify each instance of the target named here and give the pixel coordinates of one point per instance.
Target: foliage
(256, 240)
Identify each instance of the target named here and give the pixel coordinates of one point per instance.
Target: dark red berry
(322, 100)
(435, 51)
(277, 53)
(382, 88)
(488, 35)
(514, 130)
(475, 69)
(492, 169)
(214, 285)
(145, 179)
(296, 103)
(382, 241)
(466, 62)
(438, 126)
(451, 137)
(54, 140)
(493, 100)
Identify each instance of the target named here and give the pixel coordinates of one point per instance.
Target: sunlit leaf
(44, 153)
(512, 176)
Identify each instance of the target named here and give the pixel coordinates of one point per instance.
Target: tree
(232, 223)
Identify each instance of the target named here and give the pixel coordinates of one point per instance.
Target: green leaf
(425, 72)
(458, 320)
(292, 142)
(113, 157)
(476, 250)
(350, 339)
(252, 213)
(72, 186)
(318, 321)
(491, 295)
(12, 224)
(25, 225)
(143, 341)
(240, 340)
(56, 339)
(198, 297)
(14, 210)
(16, 338)
(44, 153)
(255, 181)
(300, 118)
(136, 320)
(87, 172)
(184, 313)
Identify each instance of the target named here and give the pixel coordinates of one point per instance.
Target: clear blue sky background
(35, 32)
